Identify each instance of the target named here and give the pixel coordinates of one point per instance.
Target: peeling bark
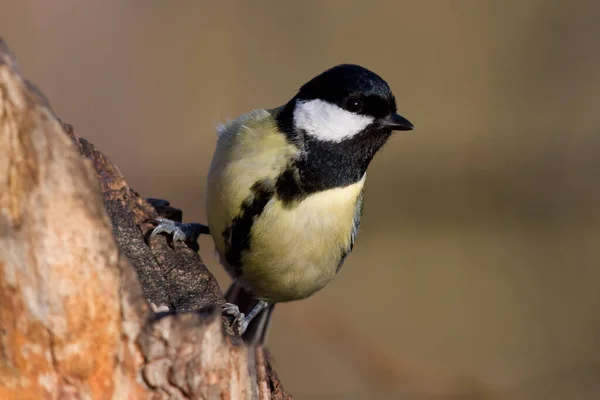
(77, 269)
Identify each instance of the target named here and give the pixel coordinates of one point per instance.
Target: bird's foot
(158, 309)
(240, 323)
(181, 232)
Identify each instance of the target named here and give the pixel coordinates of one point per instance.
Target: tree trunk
(75, 321)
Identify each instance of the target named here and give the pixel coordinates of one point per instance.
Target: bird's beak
(396, 122)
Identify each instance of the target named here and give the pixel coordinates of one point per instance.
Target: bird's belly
(296, 252)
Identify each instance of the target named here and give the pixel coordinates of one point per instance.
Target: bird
(285, 191)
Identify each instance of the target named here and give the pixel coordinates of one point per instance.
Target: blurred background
(476, 271)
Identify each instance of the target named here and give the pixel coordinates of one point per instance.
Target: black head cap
(346, 83)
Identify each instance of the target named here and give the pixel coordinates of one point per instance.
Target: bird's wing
(358, 210)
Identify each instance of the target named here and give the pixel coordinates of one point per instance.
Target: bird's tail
(256, 333)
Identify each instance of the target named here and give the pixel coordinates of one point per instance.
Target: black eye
(353, 104)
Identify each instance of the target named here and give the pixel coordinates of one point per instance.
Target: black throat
(325, 165)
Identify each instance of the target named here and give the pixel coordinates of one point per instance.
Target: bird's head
(340, 119)
(345, 102)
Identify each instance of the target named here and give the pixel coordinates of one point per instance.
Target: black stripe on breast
(288, 187)
(237, 235)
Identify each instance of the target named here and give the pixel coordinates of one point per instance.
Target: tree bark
(77, 272)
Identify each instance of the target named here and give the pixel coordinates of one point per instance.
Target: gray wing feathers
(354, 233)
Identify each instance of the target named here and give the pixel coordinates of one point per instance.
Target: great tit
(284, 194)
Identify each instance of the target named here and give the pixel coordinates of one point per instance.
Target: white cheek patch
(326, 121)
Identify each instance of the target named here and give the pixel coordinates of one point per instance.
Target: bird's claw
(181, 232)
(168, 226)
(158, 309)
(239, 324)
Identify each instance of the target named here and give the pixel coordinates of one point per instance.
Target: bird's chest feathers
(320, 216)
(298, 249)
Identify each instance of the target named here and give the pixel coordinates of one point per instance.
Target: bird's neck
(326, 165)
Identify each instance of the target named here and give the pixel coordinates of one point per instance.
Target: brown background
(477, 263)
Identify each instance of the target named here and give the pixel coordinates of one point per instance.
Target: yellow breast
(295, 252)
